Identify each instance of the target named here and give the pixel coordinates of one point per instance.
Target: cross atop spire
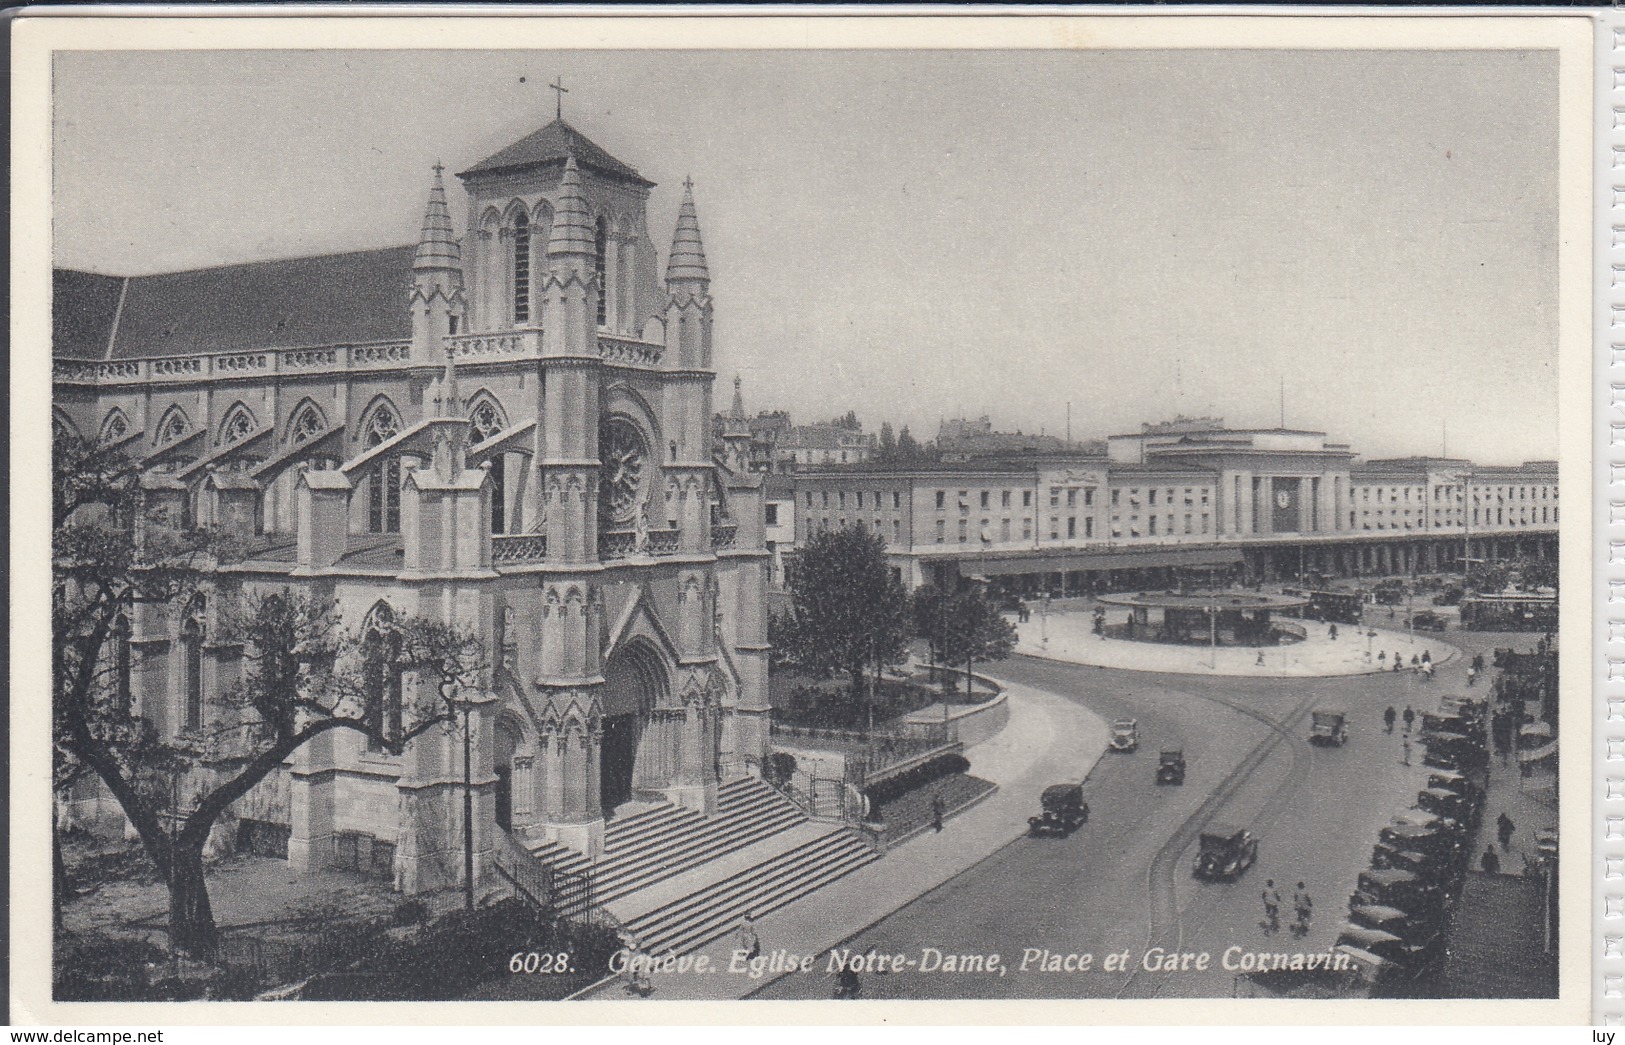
(557, 86)
(438, 168)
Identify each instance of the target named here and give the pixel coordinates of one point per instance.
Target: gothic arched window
(123, 664)
(485, 421)
(238, 423)
(600, 242)
(521, 269)
(384, 480)
(173, 425)
(381, 656)
(115, 427)
(192, 634)
(307, 422)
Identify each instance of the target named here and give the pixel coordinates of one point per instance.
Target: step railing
(565, 894)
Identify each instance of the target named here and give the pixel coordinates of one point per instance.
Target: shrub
(411, 912)
(781, 766)
(916, 777)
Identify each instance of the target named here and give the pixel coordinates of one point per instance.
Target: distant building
(1268, 503)
(961, 439)
(776, 445)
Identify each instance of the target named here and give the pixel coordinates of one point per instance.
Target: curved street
(1123, 882)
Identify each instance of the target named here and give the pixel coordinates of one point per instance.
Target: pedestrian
(1368, 656)
(1489, 861)
(1427, 672)
(1472, 674)
(937, 809)
(1503, 829)
(1388, 719)
(1331, 633)
(847, 985)
(1260, 661)
(1427, 656)
(1399, 661)
(1084, 812)
(1272, 907)
(1382, 658)
(1406, 741)
(1410, 718)
(1304, 908)
(1416, 662)
(747, 939)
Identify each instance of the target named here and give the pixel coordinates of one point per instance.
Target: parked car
(1394, 887)
(1225, 853)
(1427, 620)
(1327, 728)
(1064, 811)
(1171, 767)
(1125, 735)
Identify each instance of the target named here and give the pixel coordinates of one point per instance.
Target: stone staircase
(683, 924)
(659, 843)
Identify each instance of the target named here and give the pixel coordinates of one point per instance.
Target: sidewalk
(1048, 740)
(1070, 637)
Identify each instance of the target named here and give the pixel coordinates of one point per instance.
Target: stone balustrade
(508, 549)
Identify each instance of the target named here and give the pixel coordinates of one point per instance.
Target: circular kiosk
(1226, 618)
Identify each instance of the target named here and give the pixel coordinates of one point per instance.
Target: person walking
(1382, 658)
(1272, 907)
(747, 939)
(1331, 633)
(1410, 718)
(1416, 662)
(1399, 661)
(1489, 861)
(1260, 661)
(1406, 742)
(1427, 656)
(937, 809)
(1472, 675)
(1388, 719)
(1303, 908)
(1503, 830)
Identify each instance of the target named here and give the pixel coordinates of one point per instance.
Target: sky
(1369, 238)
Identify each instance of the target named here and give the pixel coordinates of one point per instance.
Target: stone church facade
(510, 430)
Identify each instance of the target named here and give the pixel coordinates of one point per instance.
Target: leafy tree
(908, 451)
(848, 612)
(302, 675)
(886, 452)
(849, 421)
(973, 631)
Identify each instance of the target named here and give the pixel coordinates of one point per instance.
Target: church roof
(329, 299)
(553, 144)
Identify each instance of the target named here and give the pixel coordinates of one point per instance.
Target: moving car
(1064, 811)
(1427, 620)
(1171, 767)
(1327, 728)
(1225, 853)
(1125, 735)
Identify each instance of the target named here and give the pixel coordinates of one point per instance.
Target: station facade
(1271, 504)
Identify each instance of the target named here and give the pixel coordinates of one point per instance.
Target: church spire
(737, 411)
(573, 234)
(437, 246)
(687, 261)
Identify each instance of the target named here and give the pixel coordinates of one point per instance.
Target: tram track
(1161, 874)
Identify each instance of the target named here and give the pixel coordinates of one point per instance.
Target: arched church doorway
(508, 740)
(634, 683)
(619, 755)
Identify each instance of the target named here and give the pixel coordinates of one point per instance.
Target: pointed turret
(573, 234)
(736, 412)
(437, 301)
(686, 265)
(736, 434)
(437, 246)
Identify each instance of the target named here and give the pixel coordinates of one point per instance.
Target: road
(1123, 884)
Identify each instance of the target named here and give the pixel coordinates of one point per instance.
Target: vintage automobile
(1408, 927)
(1125, 735)
(1413, 957)
(1414, 817)
(1450, 780)
(1454, 751)
(1430, 841)
(1393, 887)
(1327, 728)
(1429, 866)
(1427, 620)
(1171, 767)
(1064, 811)
(1446, 803)
(1225, 852)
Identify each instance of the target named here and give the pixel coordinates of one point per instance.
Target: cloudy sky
(919, 235)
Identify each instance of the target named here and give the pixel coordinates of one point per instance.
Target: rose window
(624, 456)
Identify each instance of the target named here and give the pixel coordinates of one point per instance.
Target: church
(508, 429)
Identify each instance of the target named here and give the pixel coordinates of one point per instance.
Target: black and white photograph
(631, 524)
